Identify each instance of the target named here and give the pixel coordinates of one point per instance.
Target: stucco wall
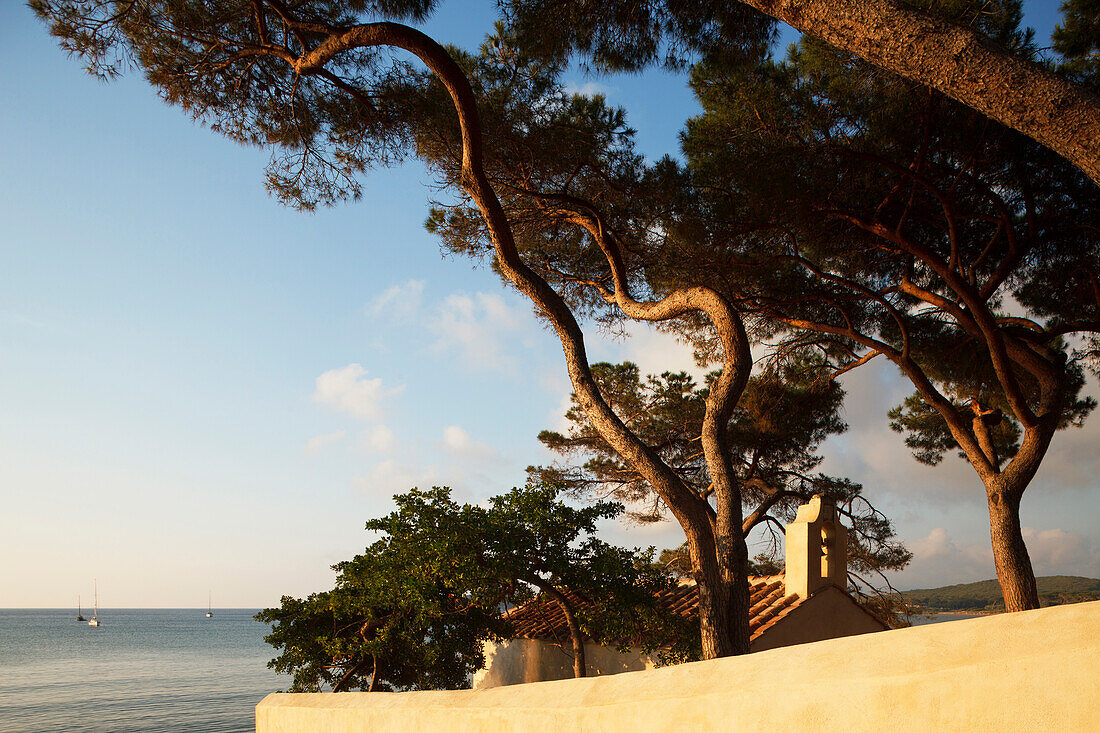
(828, 614)
(517, 661)
(1032, 671)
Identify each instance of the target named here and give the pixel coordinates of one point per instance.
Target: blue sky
(201, 389)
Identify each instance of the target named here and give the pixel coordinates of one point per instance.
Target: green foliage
(891, 218)
(628, 35)
(416, 603)
(678, 562)
(413, 611)
(773, 433)
(985, 595)
(773, 436)
(1077, 39)
(927, 434)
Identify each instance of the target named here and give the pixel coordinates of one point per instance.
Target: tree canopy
(240, 68)
(413, 611)
(912, 228)
(783, 416)
(1005, 81)
(815, 207)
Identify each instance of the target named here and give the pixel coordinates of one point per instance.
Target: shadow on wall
(1029, 671)
(808, 603)
(518, 661)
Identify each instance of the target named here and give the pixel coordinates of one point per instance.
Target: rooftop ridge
(542, 618)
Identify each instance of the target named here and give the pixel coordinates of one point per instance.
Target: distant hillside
(986, 595)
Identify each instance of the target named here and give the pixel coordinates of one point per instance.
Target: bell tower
(817, 549)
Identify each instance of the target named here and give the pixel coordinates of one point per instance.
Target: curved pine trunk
(1014, 571)
(718, 639)
(960, 63)
(723, 600)
(740, 597)
(713, 600)
(1003, 495)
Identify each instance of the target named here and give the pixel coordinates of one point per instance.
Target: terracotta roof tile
(544, 619)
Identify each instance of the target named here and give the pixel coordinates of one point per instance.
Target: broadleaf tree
(557, 199)
(414, 610)
(317, 82)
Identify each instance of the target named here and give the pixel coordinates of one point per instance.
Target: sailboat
(210, 606)
(94, 620)
(79, 613)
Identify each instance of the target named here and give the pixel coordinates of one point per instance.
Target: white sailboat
(210, 605)
(94, 620)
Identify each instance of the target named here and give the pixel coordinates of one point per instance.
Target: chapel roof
(542, 618)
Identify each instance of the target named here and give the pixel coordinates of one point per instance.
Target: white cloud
(378, 439)
(455, 438)
(874, 455)
(939, 545)
(348, 390)
(558, 421)
(20, 319)
(1072, 462)
(625, 533)
(940, 560)
(477, 326)
(394, 477)
(654, 351)
(316, 443)
(1060, 552)
(399, 302)
(588, 89)
(458, 442)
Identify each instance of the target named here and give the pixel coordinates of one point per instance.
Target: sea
(141, 670)
(170, 670)
(939, 618)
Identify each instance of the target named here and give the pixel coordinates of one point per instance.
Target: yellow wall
(828, 614)
(517, 661)
(1032, 671)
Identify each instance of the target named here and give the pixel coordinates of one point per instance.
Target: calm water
(143, 670)
(939, 618)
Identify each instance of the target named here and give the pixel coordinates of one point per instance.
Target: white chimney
(817, 549)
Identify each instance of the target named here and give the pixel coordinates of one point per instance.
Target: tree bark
(960, 63)
(345, 679)
(690, 512)
(1014, 571)
(721, 558)
(737, 576)
(579, 665)
(713, 595)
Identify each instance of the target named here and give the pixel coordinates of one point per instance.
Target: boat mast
(94, 621)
